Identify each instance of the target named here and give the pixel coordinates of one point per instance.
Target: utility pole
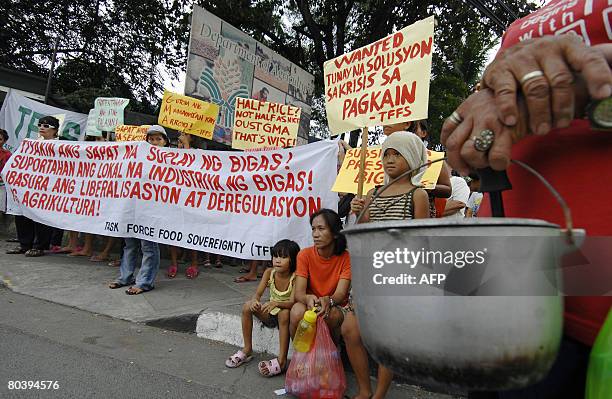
(50, 77)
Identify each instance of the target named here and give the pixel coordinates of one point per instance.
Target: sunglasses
(46, 126)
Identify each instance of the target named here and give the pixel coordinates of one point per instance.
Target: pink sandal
(192, 272)
(238, 359)
(273, 367)
(172, 270)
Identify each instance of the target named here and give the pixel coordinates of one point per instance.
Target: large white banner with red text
(229, 203)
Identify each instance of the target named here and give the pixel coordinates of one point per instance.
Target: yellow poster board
(264, 125)
(188, 115)
(382, 83)
(346, 182)
(131, 132)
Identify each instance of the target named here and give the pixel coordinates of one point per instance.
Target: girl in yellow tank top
(274, 313)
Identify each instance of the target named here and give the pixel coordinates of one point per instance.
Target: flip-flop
(238, 359)
(273, 367)
(115, 284)
(243, 279)
(34, 253)
(141, 291)
(96, 258)
(218, 264)
(172, 270)
(192, 272)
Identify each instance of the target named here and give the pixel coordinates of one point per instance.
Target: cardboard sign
(346, 182)
(229, 203)
(264, 125)
(224, 63)
(92, 129)
(131, 132)
(382, 83)
(110, 112)
(188, 115)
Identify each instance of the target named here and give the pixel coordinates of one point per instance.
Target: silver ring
(484, 140)
(455, 118)
(531, 75)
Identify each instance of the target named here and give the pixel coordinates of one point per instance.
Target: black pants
(32, 234)
(566, 379)
(57, 236)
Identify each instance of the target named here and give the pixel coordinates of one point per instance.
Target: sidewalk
(212, 300)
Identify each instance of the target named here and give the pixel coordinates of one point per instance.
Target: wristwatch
(600, 114)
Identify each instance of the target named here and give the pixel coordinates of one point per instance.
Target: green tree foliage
(119, 46)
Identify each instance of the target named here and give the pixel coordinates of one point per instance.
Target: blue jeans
(148, 268)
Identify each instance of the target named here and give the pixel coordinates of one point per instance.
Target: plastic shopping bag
(317, 374)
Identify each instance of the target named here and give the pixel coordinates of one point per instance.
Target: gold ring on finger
(531, 75)
(455, 118)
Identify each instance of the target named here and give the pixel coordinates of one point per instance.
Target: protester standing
(156, 135)
(405, 199)
(4, 157)
(532, 106)
(34, 237)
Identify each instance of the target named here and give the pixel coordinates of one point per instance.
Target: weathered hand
(549, 95)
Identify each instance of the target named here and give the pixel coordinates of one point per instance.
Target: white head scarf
(411, 147)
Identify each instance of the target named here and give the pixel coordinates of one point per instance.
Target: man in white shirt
(457, 202)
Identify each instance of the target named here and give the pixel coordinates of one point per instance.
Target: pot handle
(386, 186)
(567, 213)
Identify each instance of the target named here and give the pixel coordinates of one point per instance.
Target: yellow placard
(348, 176)
(188, 115)
(264, 125)
(131, 132)
(432, 173)
(346, 182)
(382, 83)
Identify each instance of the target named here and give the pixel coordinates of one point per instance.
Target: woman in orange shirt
(323, 275)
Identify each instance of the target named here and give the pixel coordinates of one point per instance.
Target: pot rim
(442, 222)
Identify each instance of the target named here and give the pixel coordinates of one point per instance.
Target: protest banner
(92, 129)
(131, 132)
(110, 112)
(224, 63)
(19, 117)
(229, 203)
(188, 115)
(382, 83)
(264, 125)
(347, 180)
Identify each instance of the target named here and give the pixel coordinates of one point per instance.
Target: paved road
(95, 356)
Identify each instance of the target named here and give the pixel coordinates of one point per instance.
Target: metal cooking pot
(499, 328)
(449, 340)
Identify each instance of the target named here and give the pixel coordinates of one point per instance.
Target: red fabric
(440, 204)
(4, 157)
(589, 19)
(576, 161)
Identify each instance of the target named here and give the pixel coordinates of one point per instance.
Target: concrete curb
(227, 327)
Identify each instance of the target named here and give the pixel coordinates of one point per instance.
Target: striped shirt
(394, 207)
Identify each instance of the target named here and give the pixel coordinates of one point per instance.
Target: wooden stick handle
(362, 161)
